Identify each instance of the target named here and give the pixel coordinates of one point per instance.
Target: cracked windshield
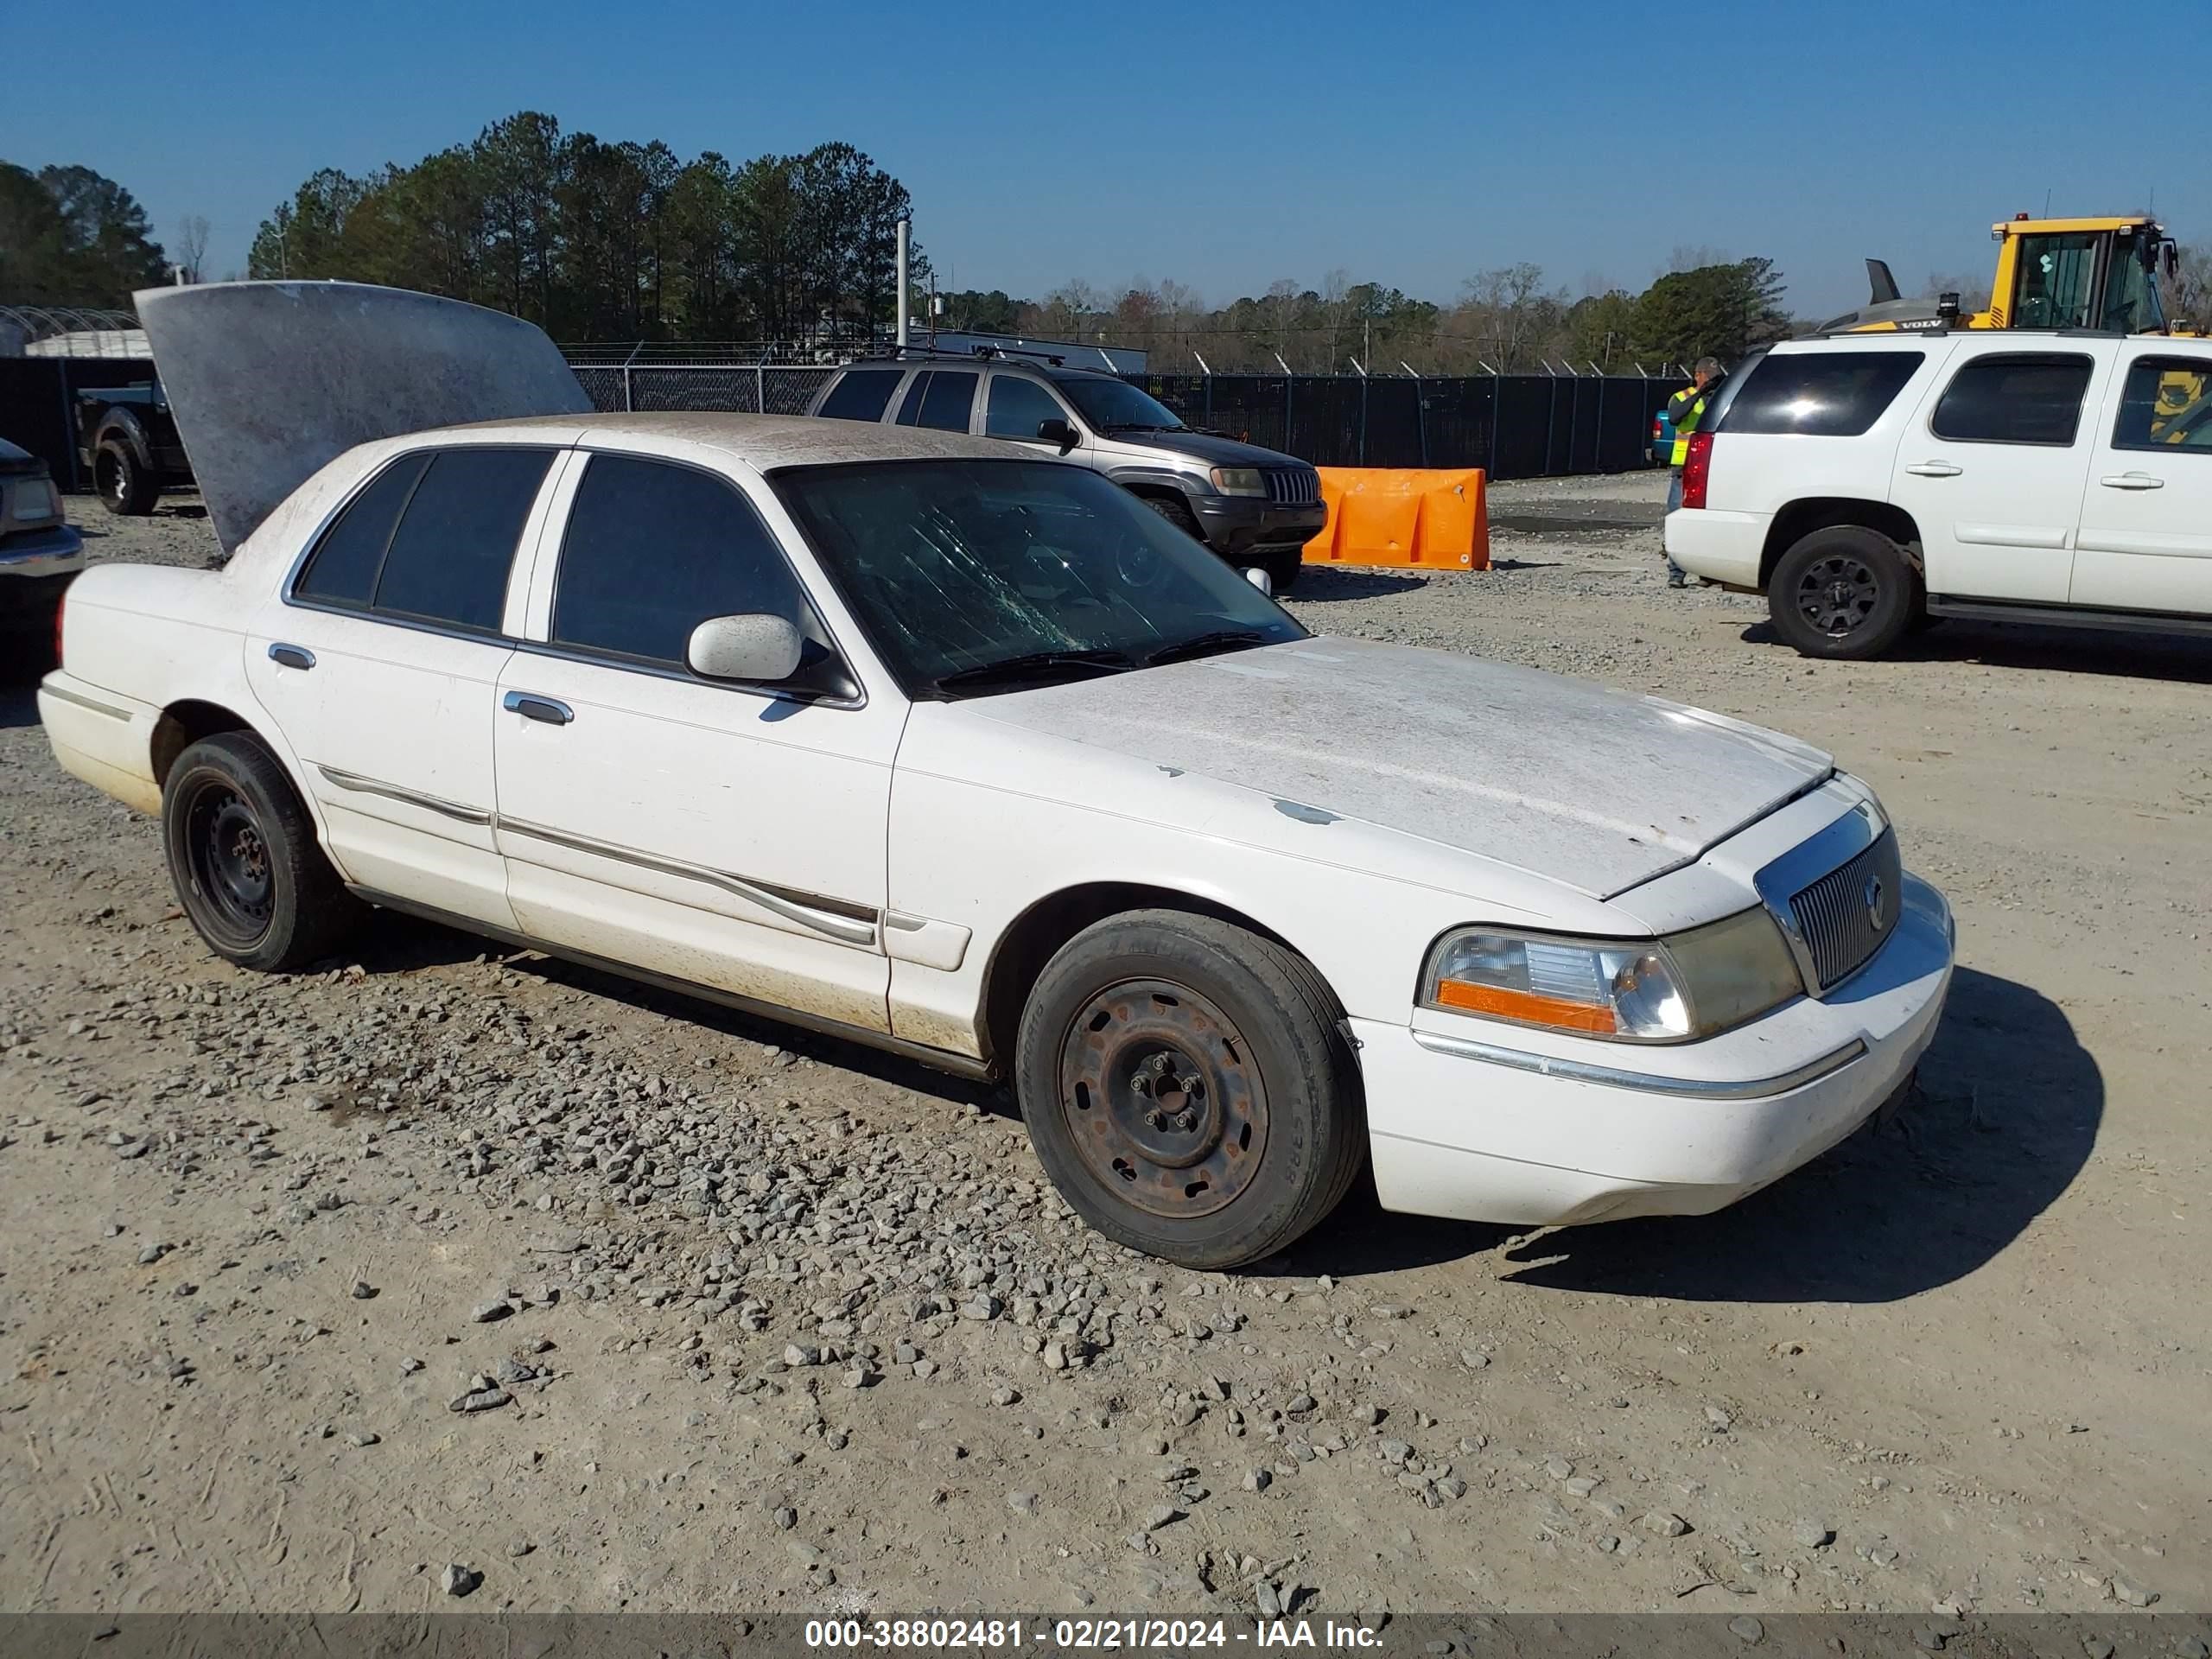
(973, 576)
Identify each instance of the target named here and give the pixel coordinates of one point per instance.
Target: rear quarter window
(861, 395)
(1820, 394)
(343, 569)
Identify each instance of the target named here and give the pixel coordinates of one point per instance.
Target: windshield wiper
(1137, 426)
(1205, 644)
(1037, 665)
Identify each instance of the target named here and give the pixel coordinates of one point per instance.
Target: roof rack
(946, 354)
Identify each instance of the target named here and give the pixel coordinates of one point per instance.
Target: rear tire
(126, 487)
(1844, 592)
(245, 862)
(1190, 1089)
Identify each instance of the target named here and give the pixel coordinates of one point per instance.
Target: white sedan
(934, 744)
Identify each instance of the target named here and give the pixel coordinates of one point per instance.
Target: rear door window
(862, 395)
(910, 406)
(1819, 394)
(950, 397)
(342, 570)
(2014, 397)
(450, 557)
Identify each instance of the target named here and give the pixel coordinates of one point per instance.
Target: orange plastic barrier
(1406, 517)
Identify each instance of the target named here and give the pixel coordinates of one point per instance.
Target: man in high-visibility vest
(1683, 409)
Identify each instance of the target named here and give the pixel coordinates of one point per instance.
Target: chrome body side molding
(833, 919)
(353, 783)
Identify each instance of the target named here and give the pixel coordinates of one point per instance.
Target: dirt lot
(313, 1290)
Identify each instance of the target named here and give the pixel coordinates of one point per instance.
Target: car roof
(763, 443)
(1908, 339)
(1044, 365)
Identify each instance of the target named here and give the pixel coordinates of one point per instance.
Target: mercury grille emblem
(1878, 903)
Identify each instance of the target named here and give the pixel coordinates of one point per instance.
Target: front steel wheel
(1189, 1088)
(1159, 1094)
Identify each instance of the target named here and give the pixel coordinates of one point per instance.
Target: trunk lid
(269, 381)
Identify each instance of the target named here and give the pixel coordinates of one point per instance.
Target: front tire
(1283, 565)
(1844, 592)
(1178, 513)
(1189, 1088)
(244, 859)
(126, 487)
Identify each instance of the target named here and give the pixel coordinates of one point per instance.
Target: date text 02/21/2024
(1095, 1635)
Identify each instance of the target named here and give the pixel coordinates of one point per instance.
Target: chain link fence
(1511, 425)
(735, 389)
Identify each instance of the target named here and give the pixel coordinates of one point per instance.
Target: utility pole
(906, 234)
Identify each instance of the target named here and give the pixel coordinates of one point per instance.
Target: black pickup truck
(129, 446)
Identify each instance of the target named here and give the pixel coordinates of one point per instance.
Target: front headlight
(1238, 480)
(1687, 985)
(34, 499)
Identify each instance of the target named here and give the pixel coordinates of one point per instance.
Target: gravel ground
(449, 1273)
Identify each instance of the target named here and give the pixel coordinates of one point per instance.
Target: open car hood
(269, 381)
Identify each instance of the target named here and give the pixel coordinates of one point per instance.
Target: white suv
(1865, 483)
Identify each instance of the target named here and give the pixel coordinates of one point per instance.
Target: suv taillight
(1697, 469)
(58, 606)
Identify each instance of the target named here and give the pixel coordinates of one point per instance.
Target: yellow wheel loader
(2051, 273)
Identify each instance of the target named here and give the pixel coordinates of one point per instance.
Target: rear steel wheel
(244, 859)
(229, 860)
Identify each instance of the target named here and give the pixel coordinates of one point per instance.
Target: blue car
(1663, 439)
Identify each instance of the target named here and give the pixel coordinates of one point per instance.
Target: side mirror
(1058, 432)
(1260, 580)
(755, 647)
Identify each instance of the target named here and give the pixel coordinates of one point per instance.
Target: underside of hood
(1598, 789)
(270, 381)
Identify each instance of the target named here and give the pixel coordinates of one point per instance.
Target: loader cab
(2085, 273)
(2051, 273)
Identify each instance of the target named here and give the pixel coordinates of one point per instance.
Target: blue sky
(1222, 146)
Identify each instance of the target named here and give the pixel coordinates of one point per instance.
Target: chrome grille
(1293, 487)
(1845, 917)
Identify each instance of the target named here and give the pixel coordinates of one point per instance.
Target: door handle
(531, 706)
(291, 656)
(2132, 481)
(1934, 469)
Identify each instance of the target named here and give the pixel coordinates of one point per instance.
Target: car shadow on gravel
(2053, 650)
(393, 942)
(22, 667)
(2004, 1116)
(1324, 584)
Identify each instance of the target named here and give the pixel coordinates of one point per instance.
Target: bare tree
(1972, 289)
(1689, 257)
(192, 245)
(2188, 291)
